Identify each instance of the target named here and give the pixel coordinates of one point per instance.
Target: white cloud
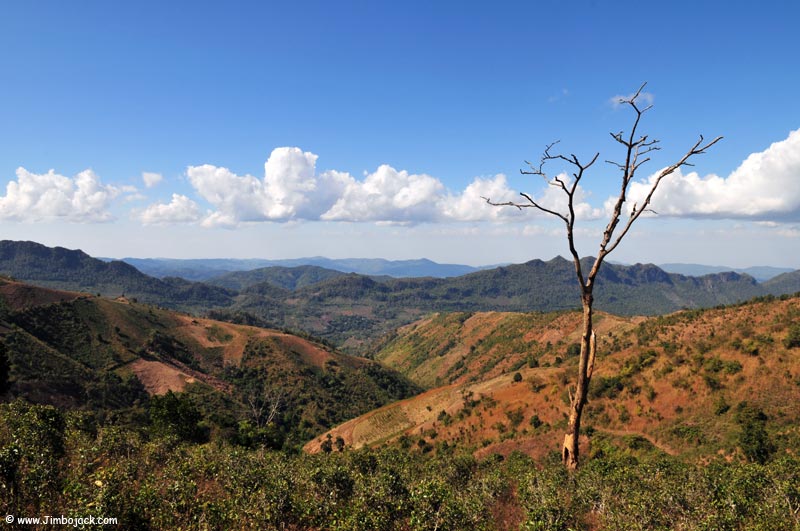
(388, 195)
(539, 230)
(553, 198)
(470, 205)
(764, 186)
(49, 196)
(134, 197)
(180, 210)
(151, 179)
(290, 190)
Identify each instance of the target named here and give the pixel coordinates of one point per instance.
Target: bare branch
(265, 406)
(697, 149)
(531, 204)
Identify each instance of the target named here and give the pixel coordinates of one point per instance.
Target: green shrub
(793, 337)
(176, 414)
(753, 438)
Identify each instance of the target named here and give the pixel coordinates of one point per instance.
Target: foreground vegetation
(55, 463)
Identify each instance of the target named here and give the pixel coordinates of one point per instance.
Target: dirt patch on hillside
(232, 338)
(158, 377)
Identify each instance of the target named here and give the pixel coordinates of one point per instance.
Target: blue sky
(394, 117)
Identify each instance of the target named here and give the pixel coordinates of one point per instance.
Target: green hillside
(61, 268)
(290, 278)
(353, 310)
(91, 353)
(783, 283)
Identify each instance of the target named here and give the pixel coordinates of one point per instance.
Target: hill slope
(80, 351)
(679, 384)
(784, 283)
(289, 278)
(75, 270)
(352, 310)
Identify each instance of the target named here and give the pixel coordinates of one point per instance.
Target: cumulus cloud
(764, 186)
(470, 205)
(291, 189)
(50, 196)
(553, 198)
(151, 179)
(388, 195)
(180, 210)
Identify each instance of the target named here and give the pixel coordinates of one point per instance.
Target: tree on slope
(636, 148)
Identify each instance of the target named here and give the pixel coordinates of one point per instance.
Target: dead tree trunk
(636, 149)
(570, 452)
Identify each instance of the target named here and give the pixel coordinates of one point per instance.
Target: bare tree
(636, 148)
(265, 406)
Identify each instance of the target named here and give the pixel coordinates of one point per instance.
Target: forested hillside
(110, 357)
(75, 270)
(352, 310)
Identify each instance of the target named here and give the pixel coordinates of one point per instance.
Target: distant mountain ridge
(202, 269)
(205, 269)
(352, 310)
(290, 278)
(760, 273)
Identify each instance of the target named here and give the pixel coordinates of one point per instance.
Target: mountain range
(149, 394)
(207, 268)
(352, 310)
(204, 269)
